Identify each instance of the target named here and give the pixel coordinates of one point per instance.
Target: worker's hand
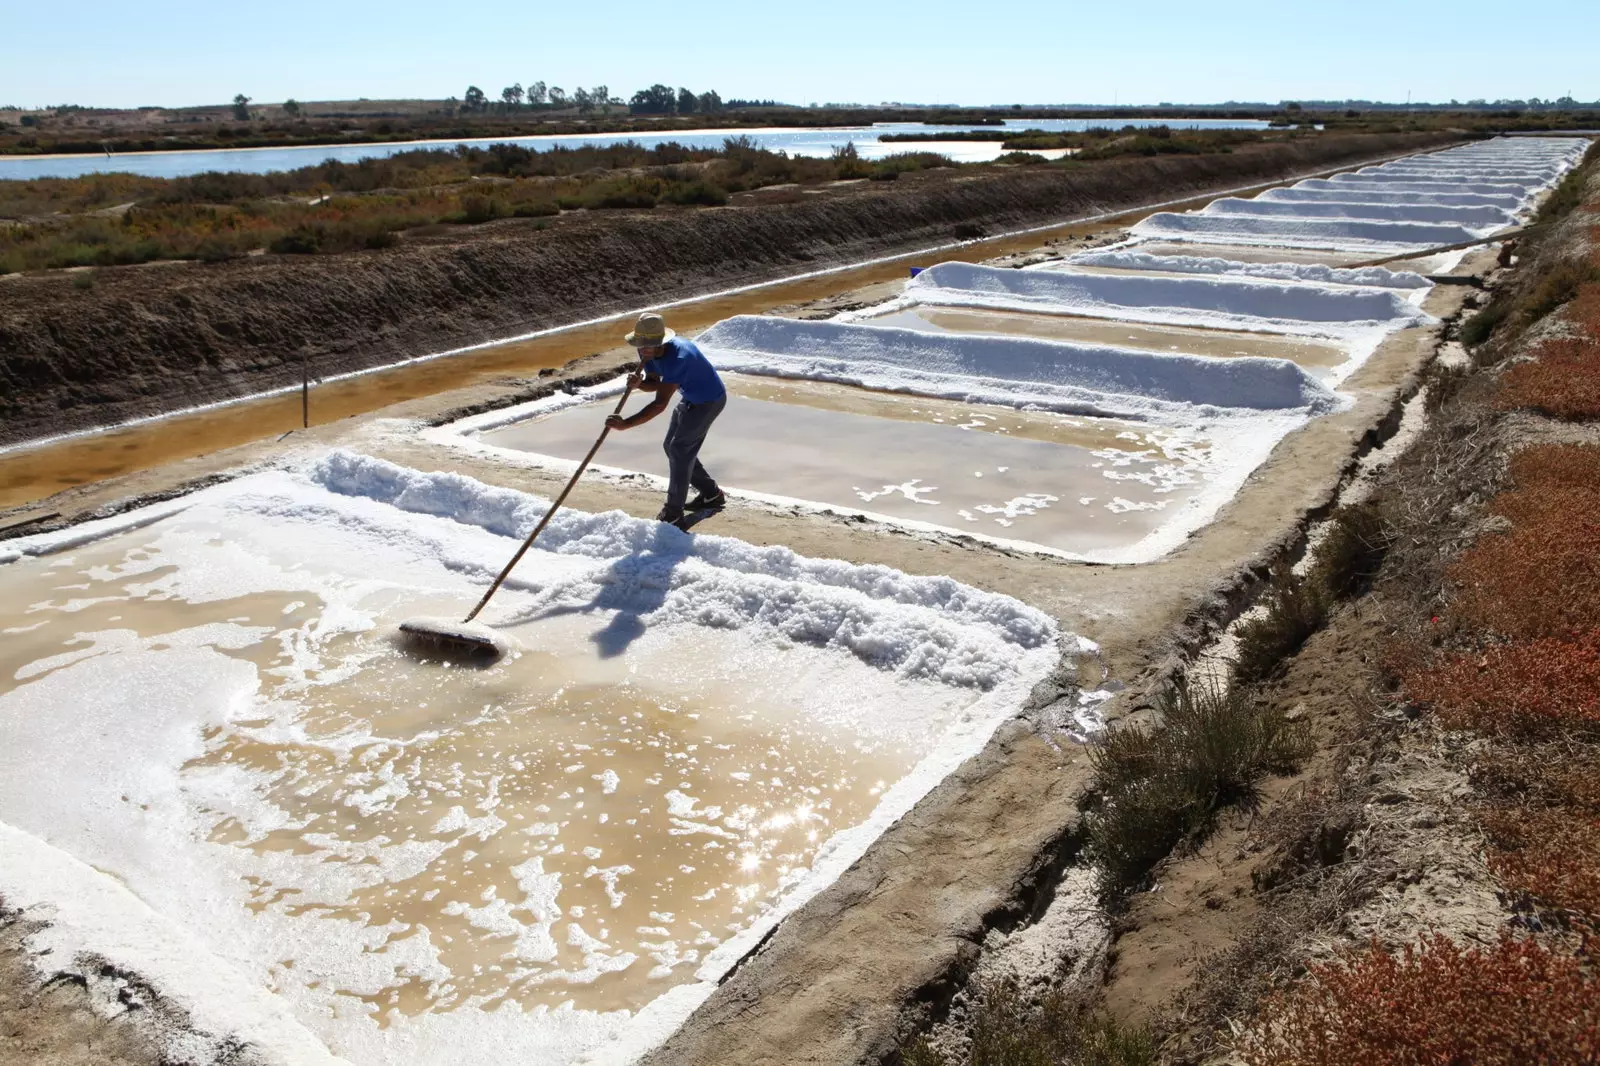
(616, 422)
(635, 380)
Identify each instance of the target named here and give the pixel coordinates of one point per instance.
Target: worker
(670, 364)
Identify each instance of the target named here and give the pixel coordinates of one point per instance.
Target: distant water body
(801, 141)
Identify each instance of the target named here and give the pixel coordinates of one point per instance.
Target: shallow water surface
(1068, 483)
(573, 825)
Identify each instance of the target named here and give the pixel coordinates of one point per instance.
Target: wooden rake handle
(554, 507)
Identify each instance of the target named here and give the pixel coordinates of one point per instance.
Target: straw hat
(650, 331)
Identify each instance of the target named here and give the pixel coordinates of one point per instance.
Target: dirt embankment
(144, 340)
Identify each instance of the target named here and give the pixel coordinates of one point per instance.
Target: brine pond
(1061, 482)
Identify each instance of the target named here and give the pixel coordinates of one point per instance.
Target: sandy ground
(979, 850)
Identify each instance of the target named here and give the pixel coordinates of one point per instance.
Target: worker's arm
(647, 382)
(664, 391)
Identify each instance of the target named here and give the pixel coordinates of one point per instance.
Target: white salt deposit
(1509, 202)
(1014, 371)
(1402, 183)
(1442, 198)
(1353, 207)
(1378, 237)
(1220, 302)
(152, 780)
(94, 921)
(1132, 259)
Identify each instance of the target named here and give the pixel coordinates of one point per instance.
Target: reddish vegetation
(1543, 578)
(1520, 689)
(1550, 858)
(1562, 478)
(1563, 380)
(1540, 580)
(1537, 586)
(1511, 1005)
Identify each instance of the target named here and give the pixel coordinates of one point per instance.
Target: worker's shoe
(670, 515)
(701, 502)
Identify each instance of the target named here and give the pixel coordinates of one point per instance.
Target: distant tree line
(656, 100)
(661, 100)
(536, 96)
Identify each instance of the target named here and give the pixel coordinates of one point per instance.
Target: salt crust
(1353, 207)
(1237, 303)
(1337, 234)
(1014, 371)
(110, 788)
(92, 920)
(1132, 259)
(1508, 201)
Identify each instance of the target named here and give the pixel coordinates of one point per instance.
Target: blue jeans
(685, 435)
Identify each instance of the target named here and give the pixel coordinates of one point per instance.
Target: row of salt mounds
(1509, 201)
(1334, 234)
(1395, 184)
(1401, 214)
(1132, 259)
(1441, 180)
(925, 627)
(1354, 207)
(1014, 371)
(1221, 302)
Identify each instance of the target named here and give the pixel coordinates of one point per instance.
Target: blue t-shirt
(682, 363)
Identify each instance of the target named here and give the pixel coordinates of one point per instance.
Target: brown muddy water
(1068, 483)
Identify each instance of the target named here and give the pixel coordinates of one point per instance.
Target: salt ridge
(1131, 259)
(1013, 370)
(1240, 303)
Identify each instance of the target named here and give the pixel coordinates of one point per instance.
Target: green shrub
(1158, 788)
(297, 242)
(477, 209)
(83, 282)
(622, 192)
(1557, 286)
(695, 193)
(848, 163)
(1352, 548)
(1291, 610)
(536, 209)
(1478, 328)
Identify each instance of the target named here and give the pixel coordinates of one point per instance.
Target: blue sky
(174, 52)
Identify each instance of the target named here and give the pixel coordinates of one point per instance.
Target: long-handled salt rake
(469, 639)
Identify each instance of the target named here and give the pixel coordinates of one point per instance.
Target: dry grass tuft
(1010, 1031)
(1514, 1004)
(1560, 774)
(1162, 787)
